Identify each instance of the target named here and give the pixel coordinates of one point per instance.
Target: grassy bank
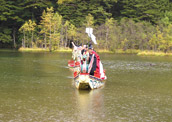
(142, 53)
(43, 50)
(32, 50)
(8, 50)
(58, 50)
(152, 53)
(117, 51)
(128, 51)
(137, 52)
(103, 51)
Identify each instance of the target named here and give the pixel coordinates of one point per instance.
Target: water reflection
(90, 105)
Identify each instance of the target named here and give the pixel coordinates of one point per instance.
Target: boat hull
(86, 81)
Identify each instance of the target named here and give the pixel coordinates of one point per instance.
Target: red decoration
(77, 64)
(96, 74)
(75, 74)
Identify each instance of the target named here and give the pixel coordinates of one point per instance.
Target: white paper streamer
(90, 34)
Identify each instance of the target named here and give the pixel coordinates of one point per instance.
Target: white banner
(90, 34)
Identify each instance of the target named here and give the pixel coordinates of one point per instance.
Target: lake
(39, 87)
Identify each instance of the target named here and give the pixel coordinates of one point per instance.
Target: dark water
(39, 87)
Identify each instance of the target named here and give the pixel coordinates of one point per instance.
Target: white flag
(90, 34)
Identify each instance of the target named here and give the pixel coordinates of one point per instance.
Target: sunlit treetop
(62, 1)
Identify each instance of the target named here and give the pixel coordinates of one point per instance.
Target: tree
(149, 10)
(28, 29)
(24, 30)
(8, 20)
(15, 13)
(89, 21)
(77, 10)
(62, 1)
(166, 42)
(5, 36)
(108, 26)
(31, 29)
(72, 32)
(66, 26)
(156, 39)
(47, 24)
(167, 19)
(43, 29)
(56, 23)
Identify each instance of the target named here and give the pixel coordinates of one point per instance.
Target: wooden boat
(85, 81)
(80, 67)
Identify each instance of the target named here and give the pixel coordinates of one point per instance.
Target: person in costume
(95, 66)
(84, 59)
(92, 61)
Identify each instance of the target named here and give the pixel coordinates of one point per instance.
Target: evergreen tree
(109, 27)
(56, 23)
(24, 31)
(149, 10)
(47, 25)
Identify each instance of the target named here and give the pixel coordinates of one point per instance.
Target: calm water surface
(39, 87)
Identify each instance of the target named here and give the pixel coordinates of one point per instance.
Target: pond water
(39, 87)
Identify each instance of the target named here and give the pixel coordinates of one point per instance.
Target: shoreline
(116, 51)
(153, 53)
(43, 50)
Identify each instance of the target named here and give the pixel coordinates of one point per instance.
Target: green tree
(8, 20)
(56, 23)
(72, 32)
(167, 19)
(62, 1)
(149, 10)
(156, 39)
(43, 29)
(89, 21)
(27, 30)
(47, 25)
(31, 30)
(166, 42)
(15, 13)
(109, 24)
(66, 26)
(24, 30)
(77, 10)
(5, 36)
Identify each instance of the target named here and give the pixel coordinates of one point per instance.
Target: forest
(117, 24)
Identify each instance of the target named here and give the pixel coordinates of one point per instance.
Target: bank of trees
(51, 32)
(128, 34)
(118, 24)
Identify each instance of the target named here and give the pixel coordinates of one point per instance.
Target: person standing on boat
(84, 49)
(92, 61)
(84, 59)
(95, 65)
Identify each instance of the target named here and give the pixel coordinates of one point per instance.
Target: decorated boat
(85, 81)
(89, 73)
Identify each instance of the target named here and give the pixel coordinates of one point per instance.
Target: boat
(84, 81)
(81, 68)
